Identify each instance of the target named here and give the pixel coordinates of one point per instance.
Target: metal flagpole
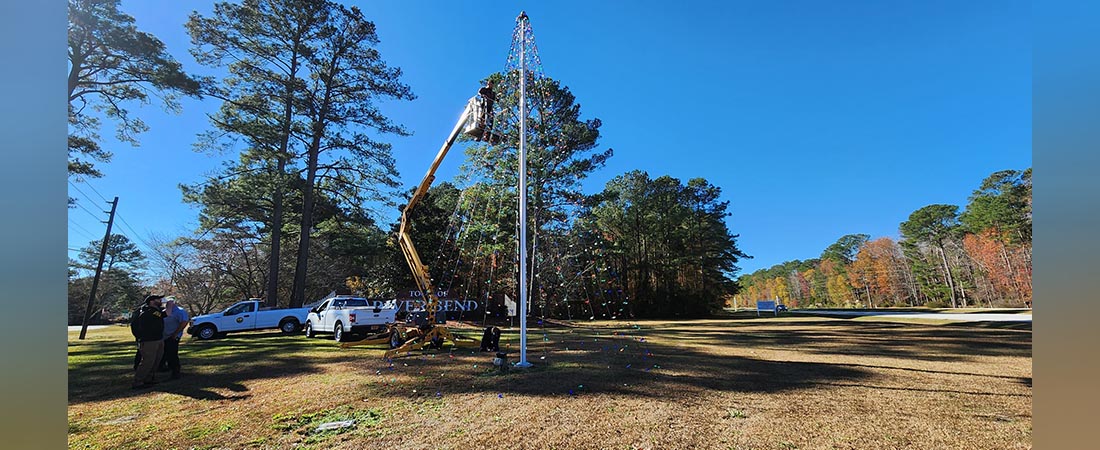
(522, 19)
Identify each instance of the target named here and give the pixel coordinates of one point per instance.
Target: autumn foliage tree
(980, 256)
(879, 271)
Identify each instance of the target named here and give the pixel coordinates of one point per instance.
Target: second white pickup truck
(345, 315)
(246, 316)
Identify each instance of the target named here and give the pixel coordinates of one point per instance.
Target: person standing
(175, 320)
(148, 328)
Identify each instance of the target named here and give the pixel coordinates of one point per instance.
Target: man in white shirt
(175, 320)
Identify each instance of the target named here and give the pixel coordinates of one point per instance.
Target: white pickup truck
(344, 315)
(246, 316)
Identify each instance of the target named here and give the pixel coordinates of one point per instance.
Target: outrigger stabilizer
(476, 122)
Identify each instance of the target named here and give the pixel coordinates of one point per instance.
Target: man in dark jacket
(148, 328)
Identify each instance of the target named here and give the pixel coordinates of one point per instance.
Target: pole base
(523, 364)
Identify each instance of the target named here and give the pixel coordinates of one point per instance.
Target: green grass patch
(76, 427)
(202, 432)
(306, 424)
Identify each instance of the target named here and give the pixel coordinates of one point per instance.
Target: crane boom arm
(473, 121)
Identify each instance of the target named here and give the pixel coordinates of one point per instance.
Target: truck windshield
(351, 302)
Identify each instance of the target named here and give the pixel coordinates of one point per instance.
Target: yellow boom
(474, 122)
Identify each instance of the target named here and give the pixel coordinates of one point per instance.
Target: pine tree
(113, 64)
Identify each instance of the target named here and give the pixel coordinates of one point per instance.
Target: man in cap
(175, 320)
(148, 328)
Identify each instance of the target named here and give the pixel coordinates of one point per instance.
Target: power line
(97, 193)
(101, 197)
(86, 233)
(81, 191)
(94, 216)
(135, 235)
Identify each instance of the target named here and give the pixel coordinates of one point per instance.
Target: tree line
(301, 206)
(979, 257)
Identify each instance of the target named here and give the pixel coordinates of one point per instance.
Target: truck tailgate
(368, 316)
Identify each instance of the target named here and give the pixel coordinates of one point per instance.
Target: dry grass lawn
(730, 383)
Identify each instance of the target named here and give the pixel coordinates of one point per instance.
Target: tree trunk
(272, 298)
(962, 289)
(962, 293)
(1012, 274)
(320, 116)
(77, 61)
(950, 278)
(298, 294)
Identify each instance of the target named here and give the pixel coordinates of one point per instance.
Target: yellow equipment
(476, 122)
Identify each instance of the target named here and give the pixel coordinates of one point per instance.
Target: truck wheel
(395, 338)
(206, 332)
(338, 332)
(309, 329)
(288, 326)
(437, 342)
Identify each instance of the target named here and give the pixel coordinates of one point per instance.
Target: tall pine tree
(113, 64)
(299, 100)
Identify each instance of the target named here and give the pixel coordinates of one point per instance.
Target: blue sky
(817, 119)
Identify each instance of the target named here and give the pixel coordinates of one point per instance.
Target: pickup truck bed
(342, 316)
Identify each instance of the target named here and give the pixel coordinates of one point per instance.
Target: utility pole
(98, 269)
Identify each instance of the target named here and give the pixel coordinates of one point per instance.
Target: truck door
(241, 316)
(332, 315)
(321, 311)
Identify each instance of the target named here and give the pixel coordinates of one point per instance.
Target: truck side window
(237, 309)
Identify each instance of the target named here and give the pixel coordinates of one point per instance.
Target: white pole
(522, 194)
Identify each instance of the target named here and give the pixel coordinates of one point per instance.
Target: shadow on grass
(584, 362)
(103, 369)
(1019, 326)
(930, 390)
(690, 359)
(954, 342)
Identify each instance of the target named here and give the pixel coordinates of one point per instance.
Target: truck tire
(309, 329)
(338, 332)
(395, 338)
(288, 325)
(206, 332)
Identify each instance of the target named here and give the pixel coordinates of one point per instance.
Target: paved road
(90, 327)
(972, 317)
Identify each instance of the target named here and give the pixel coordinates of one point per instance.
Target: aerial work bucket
(479, 125)
(475, 126)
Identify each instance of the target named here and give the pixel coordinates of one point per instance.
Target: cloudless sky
(817, 119)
